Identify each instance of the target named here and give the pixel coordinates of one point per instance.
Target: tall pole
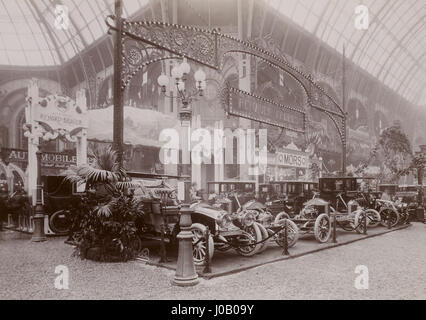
(118, 92)
(344, 133)
(38, 234)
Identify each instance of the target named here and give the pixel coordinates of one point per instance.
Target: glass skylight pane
(17, 58)
(35, 58)
(3, 58)
(12, 42)
(300, 14)
(85, 32)
(86, 9)
(96, 29)
(7, 28)
(288, 7)
(28, 42)
(131, 6)
(69, 49)
(311, 22)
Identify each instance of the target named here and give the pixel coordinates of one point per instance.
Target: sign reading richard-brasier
(60, 112)
(252, 107)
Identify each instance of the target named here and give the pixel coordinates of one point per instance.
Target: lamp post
(179, 75)
(34, 133)
(185, 273)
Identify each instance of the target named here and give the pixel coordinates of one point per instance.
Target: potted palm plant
(107, 214)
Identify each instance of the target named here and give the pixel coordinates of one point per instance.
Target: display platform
(224, 263)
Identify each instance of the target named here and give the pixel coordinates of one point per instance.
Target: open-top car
(269, 226)
(227, 231)
(336, 197)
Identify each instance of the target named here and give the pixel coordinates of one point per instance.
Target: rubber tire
(200, 228)
(280, 216)
(257, 237)
(383, 222)
(55, 229)
(265, 235)
(291, 226)
(322, 216)
(359, 217)
(374, 214)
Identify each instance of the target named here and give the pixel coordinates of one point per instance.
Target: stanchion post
(185, 270)
(365, 223)
(389, 221)
(285, 238)
(207, 268)
(327, 210)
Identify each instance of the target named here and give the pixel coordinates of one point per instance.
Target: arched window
(4, 137)
(21, 140)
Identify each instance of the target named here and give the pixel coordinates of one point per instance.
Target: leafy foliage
(108, 213)
(110, 227)
(395, 153)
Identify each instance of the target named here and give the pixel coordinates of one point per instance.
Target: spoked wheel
(388, 215)
(60, 222)
(199, 244)
(265, 235)
(360, 217)
(322, 228)
(247, 240)
(280, 216)
(373, 218)
(136, 245)
(292, 233)
(403, 218)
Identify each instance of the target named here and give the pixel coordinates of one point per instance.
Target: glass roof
(392, 49)
(29, 35)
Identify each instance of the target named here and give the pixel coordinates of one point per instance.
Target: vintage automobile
(334, 197)
(288, 196)
(228, 230)
(270, 228)
(245, 189)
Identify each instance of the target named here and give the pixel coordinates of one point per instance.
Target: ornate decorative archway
(141, 43)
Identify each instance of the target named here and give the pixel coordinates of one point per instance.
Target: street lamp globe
(185, 67)
(163, 80)
(177, 72)
(199, 75)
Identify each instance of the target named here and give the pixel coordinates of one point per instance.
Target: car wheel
(60, 222)
(281, 215)
(388, 215)
(360, 216)
(292, 233)
(265, 235)
(250, 236)
(322, 228)
(373, 219)
(199, 244)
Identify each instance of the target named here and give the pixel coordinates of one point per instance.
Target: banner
(256, 108)
(55, 160)
(291, 160)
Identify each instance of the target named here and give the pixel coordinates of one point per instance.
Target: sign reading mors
(246, 105)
